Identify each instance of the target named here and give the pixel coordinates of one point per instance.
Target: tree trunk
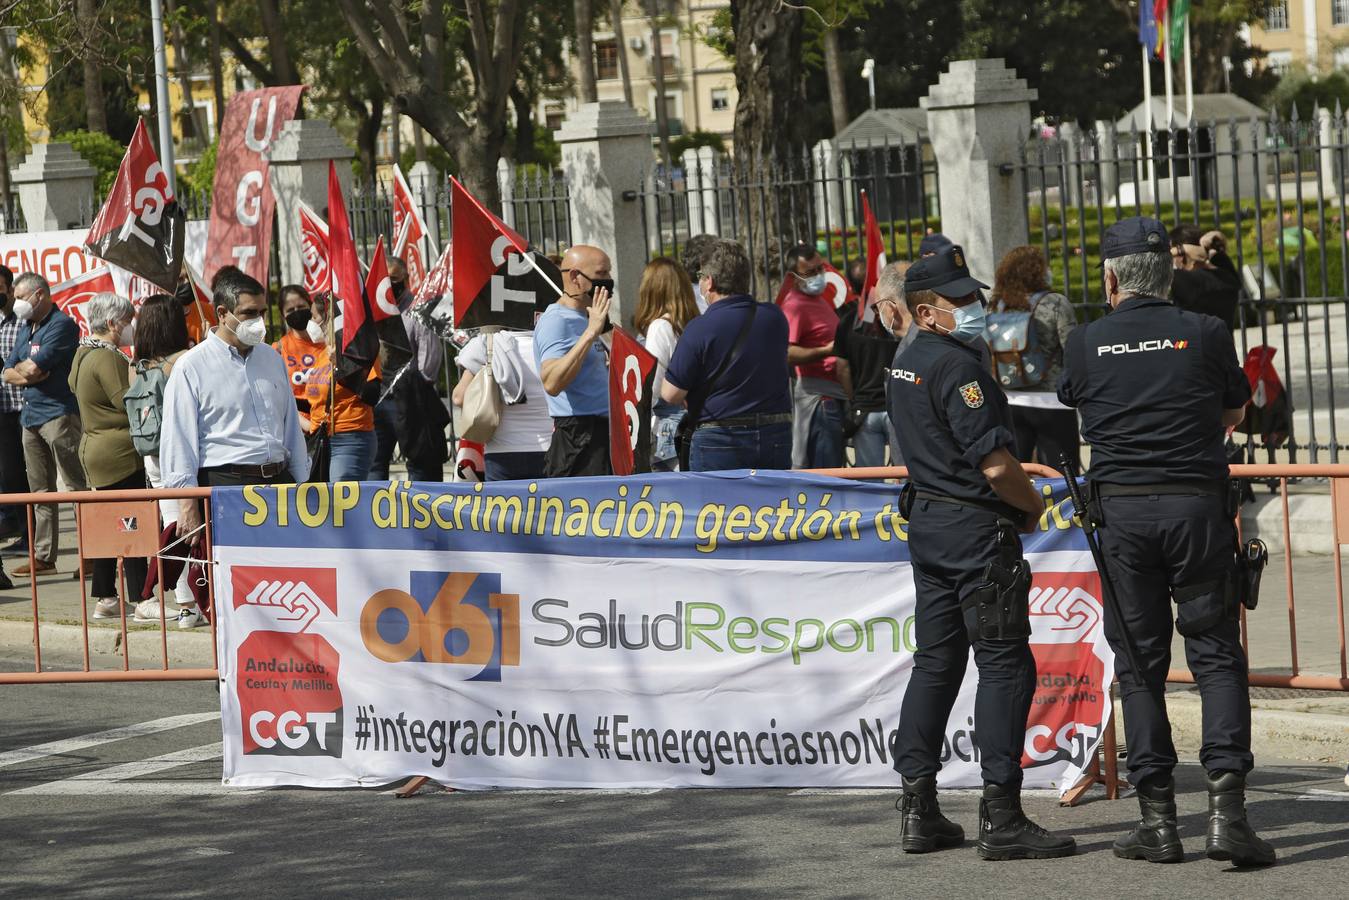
(275, 29)
(768, 51)
(4, 177)
(7, 73)
(833, 69)
(369, 122)
(216, 63)
(419, 143)
(95, 106)
(616, 13)
(585, 49)
(524, 125)
(662, 110)
(478, 163)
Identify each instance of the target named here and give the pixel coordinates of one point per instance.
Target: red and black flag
(632, 369)
(358, 347)
(141, 227)
(498, 280)
(384, 311)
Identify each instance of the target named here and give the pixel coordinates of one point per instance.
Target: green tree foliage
(100, 151)
(693, 140)
(1299, 90)
(200, 176)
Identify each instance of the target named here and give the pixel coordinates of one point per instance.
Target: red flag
(70, 296)
(1163, 26)
(379, 287)
(140, 227)
(343, 267)
(409, 229)
(632, 369)
(837, 291)
(875, 258)
(240, 232)
(438, 281)
(314, 249)
(482, 244)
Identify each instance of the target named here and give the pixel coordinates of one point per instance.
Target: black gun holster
(998, 609)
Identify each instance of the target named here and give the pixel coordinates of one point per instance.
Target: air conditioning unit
(637, 44)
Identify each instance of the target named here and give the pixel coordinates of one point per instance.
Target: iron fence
(814, 197)
(1275, 188)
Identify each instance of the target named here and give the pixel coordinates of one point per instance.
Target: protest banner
(242, 201)
(708, 630)
(60, 255)
(71, 296)
(632, 370)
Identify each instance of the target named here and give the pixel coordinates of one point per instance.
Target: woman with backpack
(665, 305)
(161, 337)
(99, 378)
(1028, 327)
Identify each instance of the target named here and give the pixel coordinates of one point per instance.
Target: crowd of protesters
(739, 383)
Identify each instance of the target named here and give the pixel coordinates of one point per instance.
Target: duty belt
(996, 509)
(747, 421)
(1174, 488)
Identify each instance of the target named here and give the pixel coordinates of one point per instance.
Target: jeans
(824, 449)
(386, 436)
(55, 444)
(871, 439)
(514, 466)
(718, 449)
(352, 453)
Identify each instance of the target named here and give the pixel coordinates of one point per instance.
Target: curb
(1311, 523)
(65, 643)
(1275, 733)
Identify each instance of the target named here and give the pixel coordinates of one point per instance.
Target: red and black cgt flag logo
(632, 370)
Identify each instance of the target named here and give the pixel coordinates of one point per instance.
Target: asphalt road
(107, 818)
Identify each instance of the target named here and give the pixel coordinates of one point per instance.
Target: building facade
(1310, 34)
(699, 90)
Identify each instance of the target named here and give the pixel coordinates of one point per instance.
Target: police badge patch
(972, 394)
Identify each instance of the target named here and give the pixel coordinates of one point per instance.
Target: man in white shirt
(229, 416)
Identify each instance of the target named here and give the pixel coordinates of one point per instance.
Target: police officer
(1157, 386)
(966, 501)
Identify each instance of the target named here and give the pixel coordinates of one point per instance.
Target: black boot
(1006, 833)
(1154, 838)
(1230, 836)
(922, 827)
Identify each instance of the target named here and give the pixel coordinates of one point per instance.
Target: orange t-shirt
(300, 356)
(350, 412)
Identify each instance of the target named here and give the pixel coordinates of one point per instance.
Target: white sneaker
(190, 617)
(148, 611)
(107, 608)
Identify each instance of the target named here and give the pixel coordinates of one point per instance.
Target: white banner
(662, 631)
(59, 256)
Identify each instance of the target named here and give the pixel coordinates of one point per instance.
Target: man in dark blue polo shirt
(731, 366)
(40, 364)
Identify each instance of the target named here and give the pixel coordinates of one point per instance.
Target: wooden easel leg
(414, 785)
(1093, 774)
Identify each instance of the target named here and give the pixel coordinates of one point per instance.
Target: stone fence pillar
(978, 115)
(299, 172)
(606, 147)
(55, 187)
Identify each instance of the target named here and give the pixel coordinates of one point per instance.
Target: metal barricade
(119, 524)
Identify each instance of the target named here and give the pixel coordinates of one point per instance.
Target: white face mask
(315, 331)
(23, 309)
(127, 336)
(252, 332)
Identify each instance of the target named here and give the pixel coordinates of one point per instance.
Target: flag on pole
(314, 249)
(632, 371)
(409, 231)
(141, 227)
(1160, 29)
(875, 259)
(343, 268)
(498, 280)
(1147, 23)
(1180, 14)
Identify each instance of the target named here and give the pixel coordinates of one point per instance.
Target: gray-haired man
(40, 364)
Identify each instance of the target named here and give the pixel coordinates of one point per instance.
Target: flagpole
(162, 96)
(1147, 104)
(1170, 87)
(1189, 77)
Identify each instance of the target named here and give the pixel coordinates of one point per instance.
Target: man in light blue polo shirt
(574, 368)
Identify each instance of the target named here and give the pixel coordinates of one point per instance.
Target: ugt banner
(698, 630)
(242, 202)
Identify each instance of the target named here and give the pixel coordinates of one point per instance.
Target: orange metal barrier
(109, 525)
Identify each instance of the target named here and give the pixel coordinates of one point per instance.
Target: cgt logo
(288, 598)
(291, 729)
(451, 618)
(290, 700)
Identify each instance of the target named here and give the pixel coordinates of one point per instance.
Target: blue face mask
(971, 321)
(814, 285)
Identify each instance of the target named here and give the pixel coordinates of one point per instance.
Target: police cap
(932, 243)
(1137, 234)
(945, 274)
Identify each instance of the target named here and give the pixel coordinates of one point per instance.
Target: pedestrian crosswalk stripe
(84, 742)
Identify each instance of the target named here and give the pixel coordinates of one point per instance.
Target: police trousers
(950, 546)
(1154, 545)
